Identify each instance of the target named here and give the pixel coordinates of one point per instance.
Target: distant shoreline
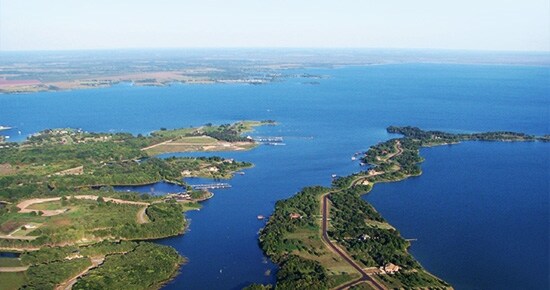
(36, 71)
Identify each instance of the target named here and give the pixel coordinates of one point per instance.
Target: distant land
(22, 72)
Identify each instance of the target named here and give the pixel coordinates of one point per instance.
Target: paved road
(68, 285)
(364, 276)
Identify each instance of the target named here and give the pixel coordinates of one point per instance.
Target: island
(59, 208)
(330, 238)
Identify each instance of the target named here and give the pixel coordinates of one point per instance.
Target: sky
(117, 24)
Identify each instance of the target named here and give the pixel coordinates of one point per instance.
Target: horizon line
(342, 48)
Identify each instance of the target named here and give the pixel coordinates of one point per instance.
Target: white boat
(4, 128)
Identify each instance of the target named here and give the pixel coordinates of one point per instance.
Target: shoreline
(393, 160)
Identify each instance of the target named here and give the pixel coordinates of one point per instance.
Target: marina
(211, 186)
(271, 141)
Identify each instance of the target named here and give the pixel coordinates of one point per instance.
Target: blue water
(480, 212)
(478, 221)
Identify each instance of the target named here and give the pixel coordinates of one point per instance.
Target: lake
(479, 211)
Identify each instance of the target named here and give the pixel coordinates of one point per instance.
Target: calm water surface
(479, 211)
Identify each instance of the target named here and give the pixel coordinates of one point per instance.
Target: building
(295, 216)
(390, 268)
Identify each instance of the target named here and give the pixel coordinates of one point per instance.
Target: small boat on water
(2, 128)
(261, 217)
(353, 158)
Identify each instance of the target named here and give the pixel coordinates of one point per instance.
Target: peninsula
(58, 206)
(330, 238)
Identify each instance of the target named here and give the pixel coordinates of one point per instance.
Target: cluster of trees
(98, 220)
(414, 280)
(410, 157)
(299, 273)
(295, 272)
(128, 265)
(438, 137)
(166, 219)
(116, 160)
(52, 254)
(145, 267)
(405, 164)
(47, 255)
(399, 166)
(225, 132)
(147, 171)
(50, 136)
(224, 167)
(306, 204)
(21, 186)
(92, 152)
(371, 245)
(48, 276)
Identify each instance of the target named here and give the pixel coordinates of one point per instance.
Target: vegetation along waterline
(324, 238)
(60, 209)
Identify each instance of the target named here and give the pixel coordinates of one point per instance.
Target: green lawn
(174, 133)
(196, 140)
(10, 262)
(53, 205)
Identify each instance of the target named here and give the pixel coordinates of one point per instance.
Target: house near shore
(364, 237)
(294, 216)
(390, 268)
(182, 196)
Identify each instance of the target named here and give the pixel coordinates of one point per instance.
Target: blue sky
(440, 24)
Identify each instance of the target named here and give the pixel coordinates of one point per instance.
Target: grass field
(309, 246)
(26, 229)
(12, 281)
(196, 139)
(82, 218)
(10, 262)
(175, 132)
(209, 144)
(380, 225)
(48, 206)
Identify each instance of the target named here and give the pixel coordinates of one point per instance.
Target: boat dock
(211, 186)
(273, 141)
(269, 139)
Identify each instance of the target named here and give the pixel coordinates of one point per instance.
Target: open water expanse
(480, 211)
